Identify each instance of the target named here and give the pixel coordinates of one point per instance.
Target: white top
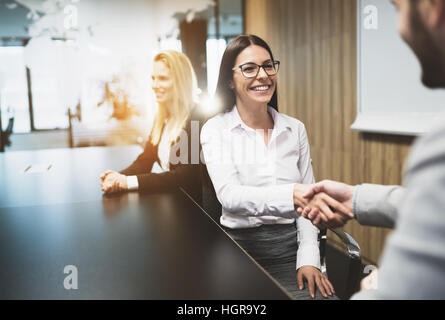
(163, 155)
(255, 182)
(164, 150)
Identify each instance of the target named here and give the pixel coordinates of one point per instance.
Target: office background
(316, 43)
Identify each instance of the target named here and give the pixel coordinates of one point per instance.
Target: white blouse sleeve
(307, 234)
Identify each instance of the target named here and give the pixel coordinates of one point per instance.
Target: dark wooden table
(125, 246)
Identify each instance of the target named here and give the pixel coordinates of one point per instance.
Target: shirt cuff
(354, 201)
(308, 255)
(132, 183)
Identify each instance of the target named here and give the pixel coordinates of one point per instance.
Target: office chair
(210, 202)
(345, 269)
(71, 117)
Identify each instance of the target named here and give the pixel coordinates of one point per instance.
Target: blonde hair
(184, 90)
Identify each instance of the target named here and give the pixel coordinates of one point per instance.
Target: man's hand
(370, 281)
(320, 206)
(112, 181)
(313, 276)
(341, 192)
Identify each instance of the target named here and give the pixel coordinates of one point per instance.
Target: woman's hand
(313, 276)
(113, 181)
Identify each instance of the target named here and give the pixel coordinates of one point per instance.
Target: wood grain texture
(315, 40)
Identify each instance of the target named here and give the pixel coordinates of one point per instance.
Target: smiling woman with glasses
(259, 162)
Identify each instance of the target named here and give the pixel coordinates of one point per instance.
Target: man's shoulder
(429, 149)
(431, 143)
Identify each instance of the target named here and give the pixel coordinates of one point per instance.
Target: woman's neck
(256, 116)
(163, 111)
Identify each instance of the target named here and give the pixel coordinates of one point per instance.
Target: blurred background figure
(171, 139)
(60, 59)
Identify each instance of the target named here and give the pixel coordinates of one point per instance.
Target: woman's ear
(231, 84)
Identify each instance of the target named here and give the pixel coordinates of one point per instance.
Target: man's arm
(372, 205)
(377, 205)
(413, 262)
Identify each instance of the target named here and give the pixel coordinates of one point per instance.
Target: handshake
(327, 204)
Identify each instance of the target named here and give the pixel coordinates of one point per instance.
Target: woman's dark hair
(223, 90)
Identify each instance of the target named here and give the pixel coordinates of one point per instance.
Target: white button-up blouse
(255, 182)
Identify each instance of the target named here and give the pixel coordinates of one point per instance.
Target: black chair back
(210, 202)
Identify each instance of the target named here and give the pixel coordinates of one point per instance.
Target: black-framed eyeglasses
(251, 70)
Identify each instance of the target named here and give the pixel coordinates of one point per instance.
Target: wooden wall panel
(316, 43)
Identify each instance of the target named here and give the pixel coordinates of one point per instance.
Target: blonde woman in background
(174, 85)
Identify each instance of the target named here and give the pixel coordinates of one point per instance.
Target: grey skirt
(274, 247)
